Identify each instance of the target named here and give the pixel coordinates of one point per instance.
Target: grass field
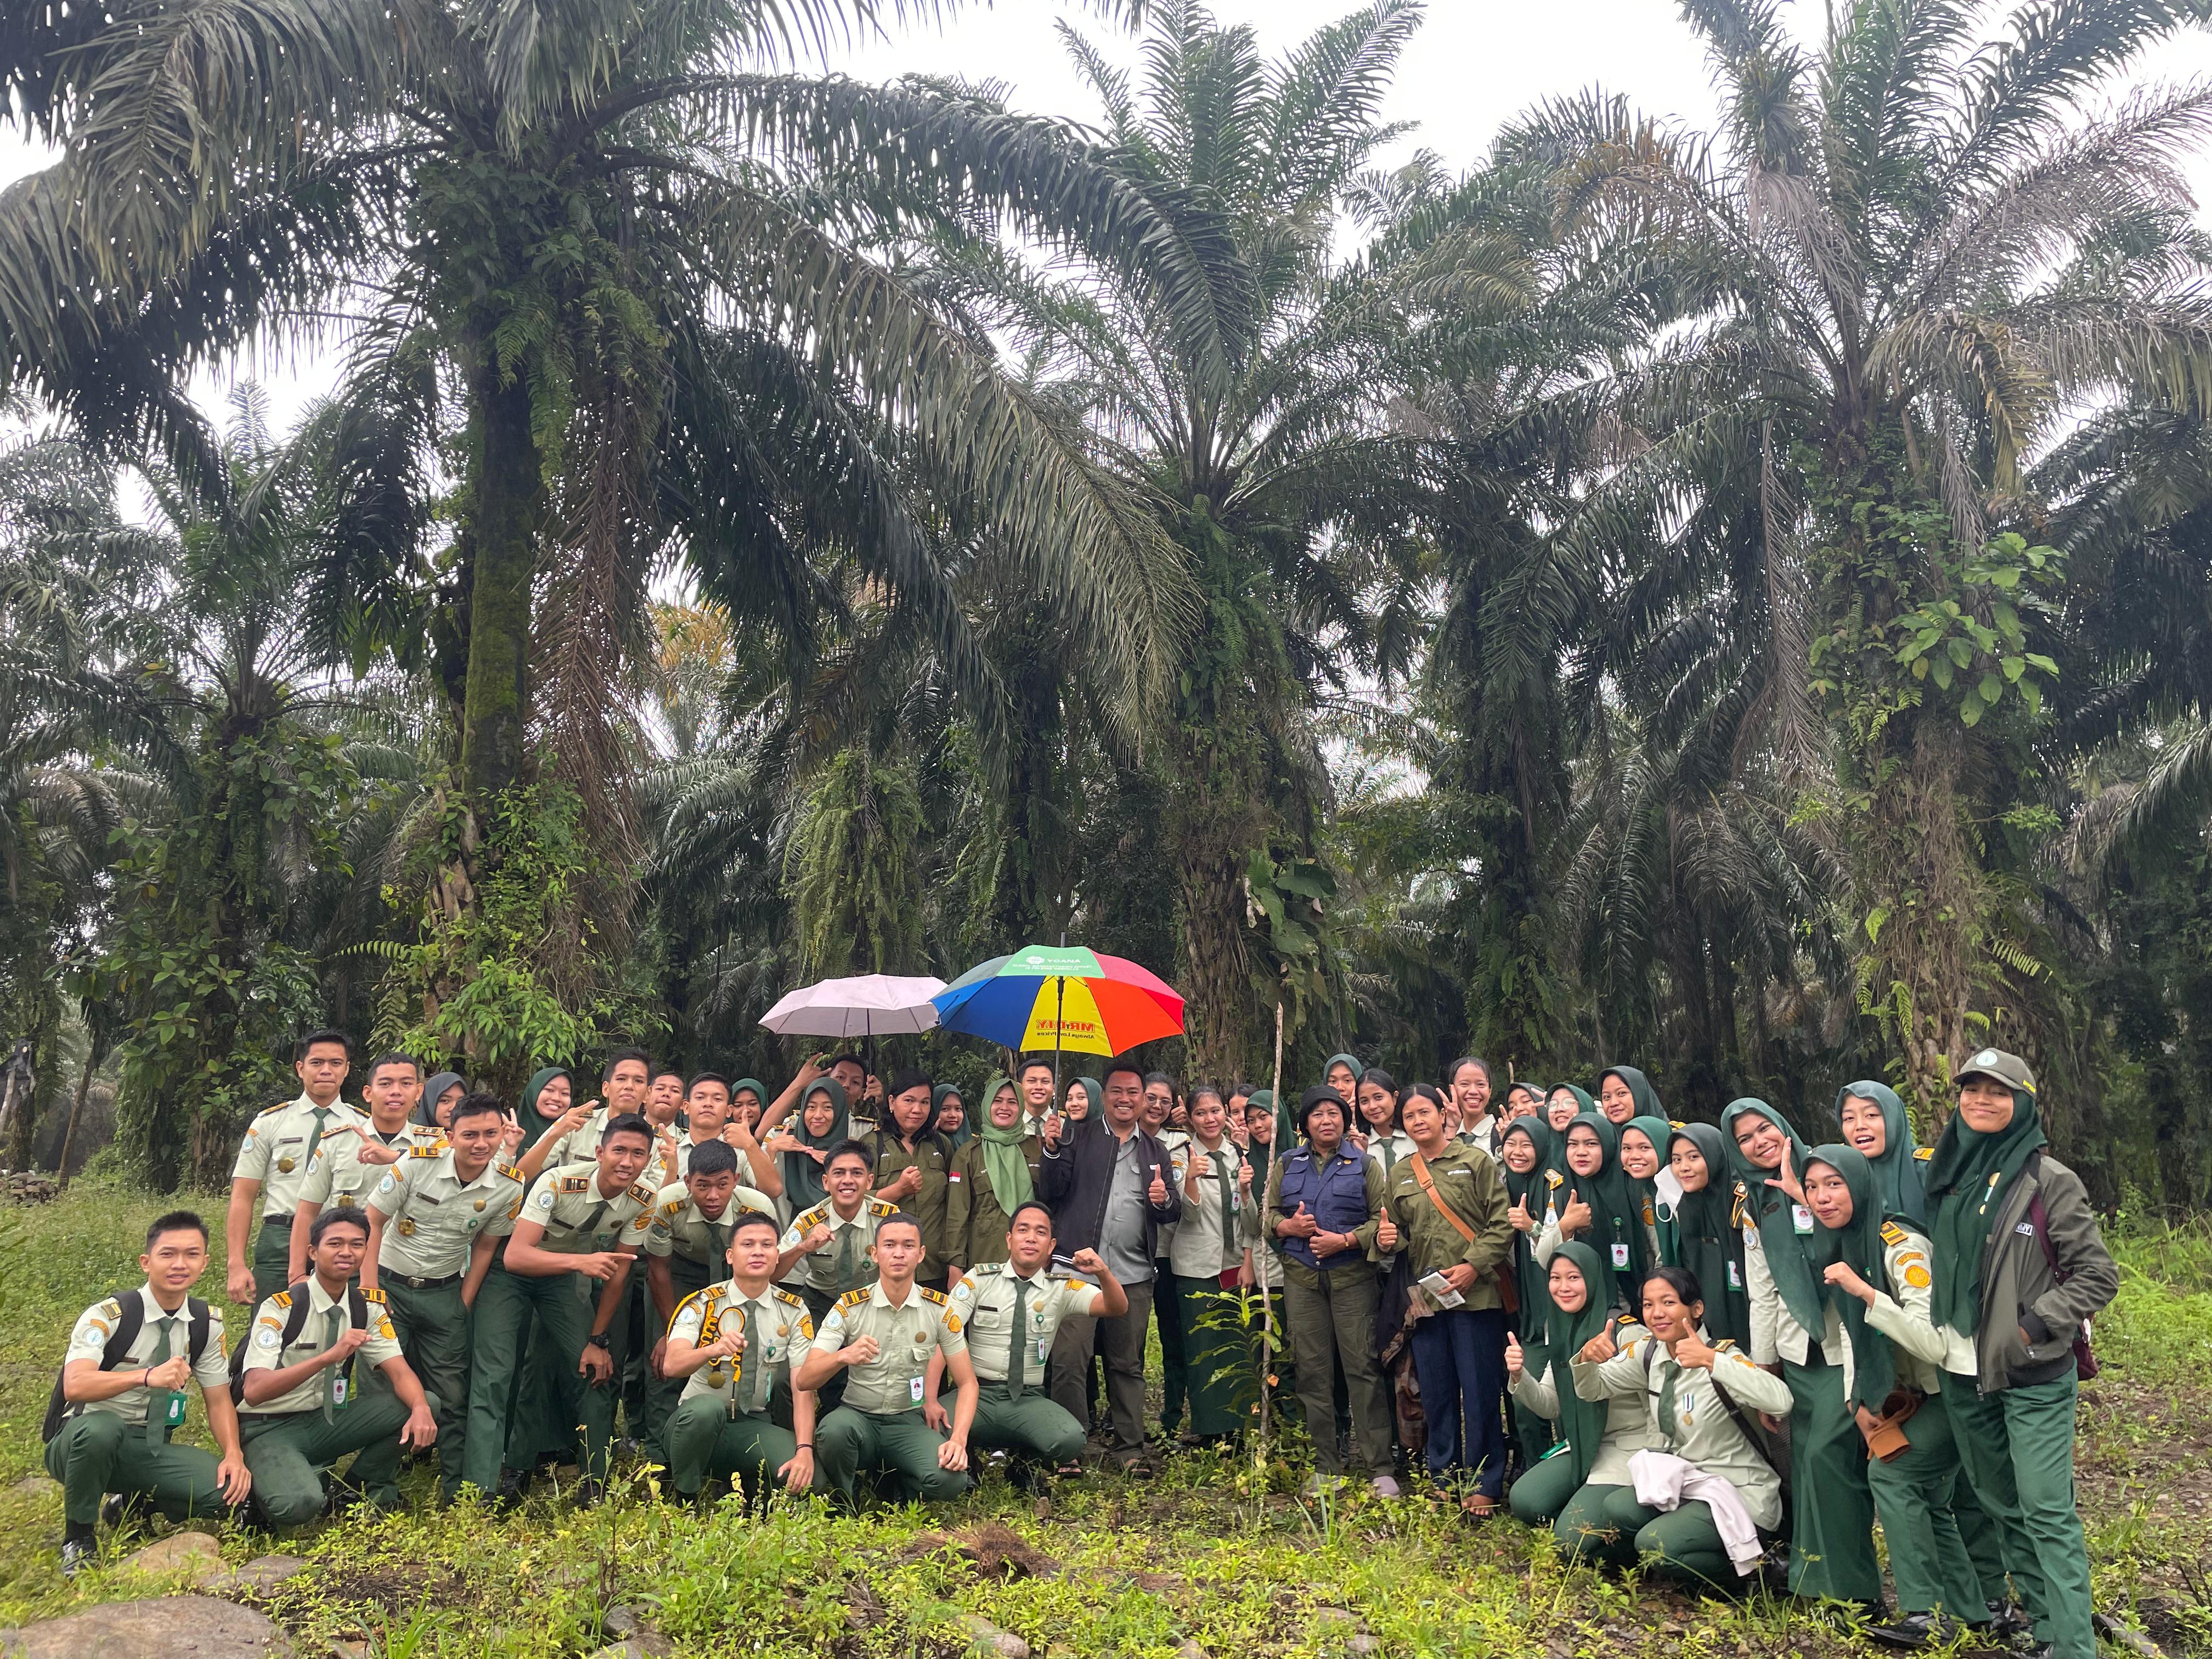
(1208, 1554)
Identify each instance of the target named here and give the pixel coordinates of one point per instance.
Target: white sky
(1473, 66)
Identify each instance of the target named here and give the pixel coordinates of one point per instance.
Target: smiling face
(1688, 1165)
(951, 1115)
(393, 1089)
(1077, 1103)
(1585, 1151)
(174, 1261)
(1616, 1099)
(1260, 1124)
(1522, 1100)
(819, 1115)
(1986, 1104)
(1470, 1089)
(337, 1258)
(1761, 1141)
(1567, 1287)
(1666, 1315)
(1828, 1195)
(1562, 1110)
(1037, 1088)
(1865, 1129)
(1376, 1108)
(622, 1160)
(1124, 1098)
(554, 1098)
(1640, 1159)
(845, 1180)
(1209, 1116)
(1519, 1153)
(1005, 1108)
(1159, 1104)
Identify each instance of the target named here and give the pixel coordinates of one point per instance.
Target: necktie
(334, 1378)
(1220, 1162)
(719, 1238)
(749, 1363)
(1018, 1371)
(157, 1399)
(315, 1140)
(844, 1260)
(1667, 1401)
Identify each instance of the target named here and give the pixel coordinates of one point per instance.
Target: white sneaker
(1385, 1485)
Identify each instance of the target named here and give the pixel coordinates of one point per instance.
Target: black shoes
(1913, 1630)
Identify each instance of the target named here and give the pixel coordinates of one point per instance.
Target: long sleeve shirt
(1467, 1180)
(1690, 1421)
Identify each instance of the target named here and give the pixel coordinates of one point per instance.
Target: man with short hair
(580, 1223)
(884, 1339)
(122, 1396)
(303, 1409)
(435, 1221)
(664, 1098)
(1039, 1093)
(1158, 1119)
(1108, 1182)
(272, 1165)
(827, 1251)
(731, 1343)
(1012, 1311)
(347, 1165)
(687, 1249)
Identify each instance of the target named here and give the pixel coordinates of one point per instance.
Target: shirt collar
(317, 1301)
(877, 1298)
(155, 1311)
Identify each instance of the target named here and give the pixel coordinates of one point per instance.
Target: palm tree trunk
(1209, 874)
(509, 501)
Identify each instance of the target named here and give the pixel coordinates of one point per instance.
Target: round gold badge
(480, 1204)
(283, 1166)
(407, 1226)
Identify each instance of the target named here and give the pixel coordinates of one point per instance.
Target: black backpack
(296, 1320)
(128, 1324)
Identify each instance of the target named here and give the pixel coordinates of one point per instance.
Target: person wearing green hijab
(992, 1176)
(962, 1129)
(1642, 1154)
(1703, 1229)
(2019, 1269)
(1875, 1275)
(1624, 1092)
(1567, 1490)
(1342, 1072)
(545, 1098)
(1595, 1206)
(822, 1120)
(1528, 1154)
(1565, 1104)
(1875, 1126)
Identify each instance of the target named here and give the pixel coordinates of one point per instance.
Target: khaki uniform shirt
(88, 1340)
(779, 1320)
(1692, 1423)
(819, 1270)
(431, 1216)
(279, 1146)
(1628, 1426)
(578, 1221)
(336, 1176)
(681, 1228)
(906, 1337)
(984, 1301)
(267, 1351)
(1775, 1332)
(1468, 1182)
(1200, 1247)
(1903, 1311)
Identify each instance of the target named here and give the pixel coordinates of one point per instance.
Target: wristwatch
(599, 1340)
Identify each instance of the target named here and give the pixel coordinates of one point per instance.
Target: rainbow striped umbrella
(1061, 996)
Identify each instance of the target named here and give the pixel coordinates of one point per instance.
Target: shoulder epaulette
(695, 1297)
(437, 1149)
(854, 1299)
(282, 1298)
(877, 1206)
(1924, 1153)
(938, 1296)
(509, 1171)
(1555, 1178)
(782, 1295)
(1626, 1319)
(1726, 1345)
(368, 1295)
(644, 1194)
(1891, 1233)
(818, 1212)
(671, 1209)
(278, 1107)
(1677, 1123)
(112, 1307)
(576, 1183)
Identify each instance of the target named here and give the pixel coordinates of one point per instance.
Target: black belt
(414, 1284)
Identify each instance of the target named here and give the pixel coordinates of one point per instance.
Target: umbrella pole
(1261, 1258)
(1059, 1013)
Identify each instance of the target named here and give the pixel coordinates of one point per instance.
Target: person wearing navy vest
(1324, 1201)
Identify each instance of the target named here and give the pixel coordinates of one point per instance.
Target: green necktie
(1220, 1162)
(157, 1399)
(322, 1116)
(719, 1237)
(749, 1363)
(333, 1379)
(1666, 1400)
(1018, 1371)
(844, 1260)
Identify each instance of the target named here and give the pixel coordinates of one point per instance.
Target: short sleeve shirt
(88, 1340)
(432, 1217)
(281, 1143)
(786, 1332)
(681, 1228)
(579, 1220)
(906, 1337)
(267, 1351)
(818, 1269)
(984, 1301)
(337, 1176)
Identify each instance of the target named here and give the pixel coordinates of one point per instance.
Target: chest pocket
(996, 1314)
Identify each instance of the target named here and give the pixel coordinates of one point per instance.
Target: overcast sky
(1473, 66)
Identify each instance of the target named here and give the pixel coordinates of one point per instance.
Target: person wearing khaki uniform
(434, 1220)
(883, 1338)
(828, 1251)
(349, 1163)
(273, 1167)
(687, 1247)
(732, 1343)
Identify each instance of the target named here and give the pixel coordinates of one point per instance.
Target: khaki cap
(2007, 1069)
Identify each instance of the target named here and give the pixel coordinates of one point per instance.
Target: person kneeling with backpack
(120, 1395)
(302, 1411)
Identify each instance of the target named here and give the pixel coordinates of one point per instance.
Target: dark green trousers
(1538, 1496)
(704, 1439)
(289, 1453)
(2018, 1448)
(1034, 1423)
(504, 1308)
(272, 1262)
(432, 1328)
(1977, 1530)
(1332, 1319)
(1832, 1533)
(899, 1442)
(1682, 1543)
(96, 1453)
(662, 1394)
(1549, 1496)
(1216, 1358)
(1913, 1493)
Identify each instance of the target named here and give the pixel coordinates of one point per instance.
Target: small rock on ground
(621, 1651)
(194, 1553)
(165, 1628)
(984, 1636)
(36, 1486)
(626, 1624)
(259, 1575)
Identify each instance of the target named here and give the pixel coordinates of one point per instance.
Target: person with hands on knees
(1696, 1509)
(884, 1339)
(2019, 1269)
(731, 1343)
(1567, 1491)
(272, 1166)
(1325, 1202)
(1444, 1205)
(1011, 1311)
(1876, 1280)
(120, 1395)
(1211, 1252)
(301, 1407)
(580, 1224)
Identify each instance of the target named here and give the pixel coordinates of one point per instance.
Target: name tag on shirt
(174, 1414)
(338, 1391)
(1802, 1218)
(914, 1389)
(1736, 1276)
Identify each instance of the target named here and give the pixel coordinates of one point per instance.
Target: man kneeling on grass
(884, 1338)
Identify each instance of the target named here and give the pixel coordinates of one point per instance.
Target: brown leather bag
(1885, 1440)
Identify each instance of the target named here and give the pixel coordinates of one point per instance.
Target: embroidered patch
(1917, 1278)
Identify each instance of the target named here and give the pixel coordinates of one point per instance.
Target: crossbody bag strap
(1429, 1186)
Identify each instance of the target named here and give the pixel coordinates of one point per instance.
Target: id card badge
(173, 1414)
(341, 1392)
(1802, 1218)
(1044, 1351)
(1735, 1276)
(1620, 1256)
(914, 1389)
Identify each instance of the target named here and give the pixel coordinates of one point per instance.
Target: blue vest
(1335, 1196)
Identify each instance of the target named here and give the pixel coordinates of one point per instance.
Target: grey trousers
(1122, 1341)
(1332, 1321)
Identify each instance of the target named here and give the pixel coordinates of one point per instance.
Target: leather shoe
(1912, 1630)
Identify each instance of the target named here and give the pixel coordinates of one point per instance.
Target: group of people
(1695, 1348)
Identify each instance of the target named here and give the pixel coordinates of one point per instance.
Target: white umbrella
(870, 1005)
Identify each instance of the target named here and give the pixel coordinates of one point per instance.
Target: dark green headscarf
(1614, 1216)
(1647, 1097)
(1701, 1233)
(1584, 1100)
(426, 1110)
(1581, 1422)
(1788, 1254)
(802, 1176)
(1358, 1070)
(1898, 1179)
(1966, 1182)
(759, 1089)
(533, 1126)
(1261, 1156)
(1857, 1245)
(1645, 1195)
(966, 1132)
(1093, 1091)
(1536, 1190)
(1004, 1161)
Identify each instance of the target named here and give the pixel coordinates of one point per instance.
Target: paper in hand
(1440, 1289)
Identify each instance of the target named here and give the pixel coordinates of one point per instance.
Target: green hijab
(759, 1089)
(1093, 1091)
(1616, 1229)
(1857, 1245)
(534, 1126)
(1584, 1100)
(1647, 1097)
(802, 1176)
(1261, 1156)
(1581, 1422)
(1899, 1182)
(1788, 1260)
(966, 1132)
(1534, 1190)
(1358, 1070)
(1645, 1195)
(1700, 1233)
(1966, 1180)
(1004, 1161)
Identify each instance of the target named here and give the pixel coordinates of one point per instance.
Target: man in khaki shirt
(347, 1165)
(884, 1339)
(687, 1249)
(272, 1166)
(828, 1250)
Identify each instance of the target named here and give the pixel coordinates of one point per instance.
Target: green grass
(1211, 1552)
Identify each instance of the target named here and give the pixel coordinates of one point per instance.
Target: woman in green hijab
(1529, 1154)
(993, 1176)
(1703, 1229)
(1595, 1206)
(1082, 1099)
(1342, 1073)
(1875, 1126)
(1624, 1092)
(822, 1120)
(1567, 1103)
(1597, 1436)
(1642, 1157)
(949, 1115)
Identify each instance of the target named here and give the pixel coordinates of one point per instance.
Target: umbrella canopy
(1049, 996)
(872, 1005)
